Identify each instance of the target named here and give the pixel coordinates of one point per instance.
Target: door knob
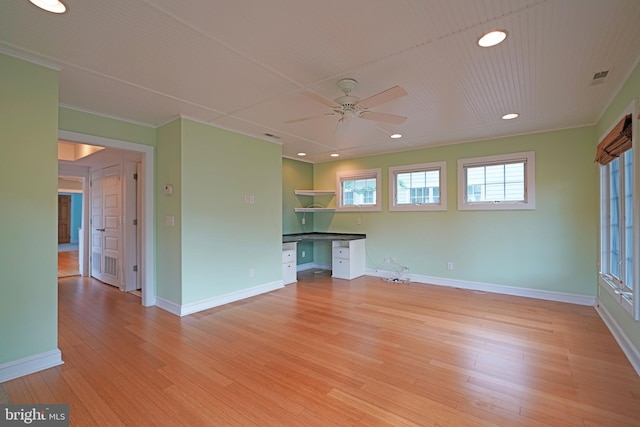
(100, 229)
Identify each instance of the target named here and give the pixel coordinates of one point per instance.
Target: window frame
(357, 175)
(441, 167)
(503, 159)
(607, 281)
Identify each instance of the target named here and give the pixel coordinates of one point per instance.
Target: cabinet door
(289, 273)
(341, 269)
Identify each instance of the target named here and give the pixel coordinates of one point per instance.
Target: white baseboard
(194, 307)
(498, 289)
(167, 305)
(632, 353)
(29, 365)
(313, 265)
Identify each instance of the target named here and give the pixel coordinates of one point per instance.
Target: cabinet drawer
(289, 272)
(341, 252)
(340, 268)
(288, 255)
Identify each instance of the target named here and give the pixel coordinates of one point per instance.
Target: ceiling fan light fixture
(395, 135)
(53, 6)
(510, 116)
(492, 38)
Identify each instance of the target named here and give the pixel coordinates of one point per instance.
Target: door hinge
(90, 183)
(135, 268)
(135, 176)
(135, 222)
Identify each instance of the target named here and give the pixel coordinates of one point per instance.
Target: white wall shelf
(314, 192)
(314, 209)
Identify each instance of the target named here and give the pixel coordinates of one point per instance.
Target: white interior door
(106, 229)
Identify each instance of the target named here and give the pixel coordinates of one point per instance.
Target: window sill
(626, 302)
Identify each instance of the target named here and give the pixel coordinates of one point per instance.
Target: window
(617, 217)
(359, 190)
(497, 182)
(418, 187)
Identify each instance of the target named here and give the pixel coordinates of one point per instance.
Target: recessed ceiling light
(302, 154)
(54, 6)
(335, 155)
(396, 135)
(510, 116)
(492, 38)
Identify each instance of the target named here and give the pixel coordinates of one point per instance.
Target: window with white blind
(497, 182)
(359, 190)
(420, 187)
(618, 273)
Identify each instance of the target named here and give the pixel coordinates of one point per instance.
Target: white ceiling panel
(244, 65)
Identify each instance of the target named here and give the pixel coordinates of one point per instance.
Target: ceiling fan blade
(303, 119)
(383, 117)
(383, 97)
(321, 99)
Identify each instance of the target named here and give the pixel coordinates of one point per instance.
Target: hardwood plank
(330, 352)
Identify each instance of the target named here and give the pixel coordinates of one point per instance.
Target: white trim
(356, 175)
(498, 289)
(312, 266)
(148, 203)
(47, 63)
(632, 353)
(106, 116)
(167, 305)
(29, 365)
(205, 304)
(529, 184)
(441, 167)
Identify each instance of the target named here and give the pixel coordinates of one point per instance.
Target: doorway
(69, 225)
(146, 219)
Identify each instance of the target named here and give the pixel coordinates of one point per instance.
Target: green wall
(630, 91)
(168, 239)
(551, 248)
(28, 252)
(223, 238)
(105, 127)
(217, 239)
(297, 175)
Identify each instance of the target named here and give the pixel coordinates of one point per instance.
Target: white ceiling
(244, 65)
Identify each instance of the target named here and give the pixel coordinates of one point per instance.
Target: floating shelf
(314, 192)
(314, 209)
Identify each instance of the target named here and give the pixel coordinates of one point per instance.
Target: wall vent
(110, 266)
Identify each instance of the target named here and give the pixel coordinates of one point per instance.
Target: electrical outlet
(358, 221)
(450, 265)
(304, 254)
(303, 221)
(387, 260)
(252, 272)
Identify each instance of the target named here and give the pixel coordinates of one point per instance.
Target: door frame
(147, 261)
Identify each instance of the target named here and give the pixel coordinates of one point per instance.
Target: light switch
(170, 220)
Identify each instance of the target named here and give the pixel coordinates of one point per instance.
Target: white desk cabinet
(348, 258)
(289, 263)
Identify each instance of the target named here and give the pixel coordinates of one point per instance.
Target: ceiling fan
(348, 106)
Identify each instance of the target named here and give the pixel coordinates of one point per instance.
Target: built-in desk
(348, 252)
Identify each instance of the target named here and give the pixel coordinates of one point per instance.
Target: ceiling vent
(599, 77)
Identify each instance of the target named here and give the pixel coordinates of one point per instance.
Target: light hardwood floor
(68, 263)
(333, 352)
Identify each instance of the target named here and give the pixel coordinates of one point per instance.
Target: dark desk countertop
(287, 238)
